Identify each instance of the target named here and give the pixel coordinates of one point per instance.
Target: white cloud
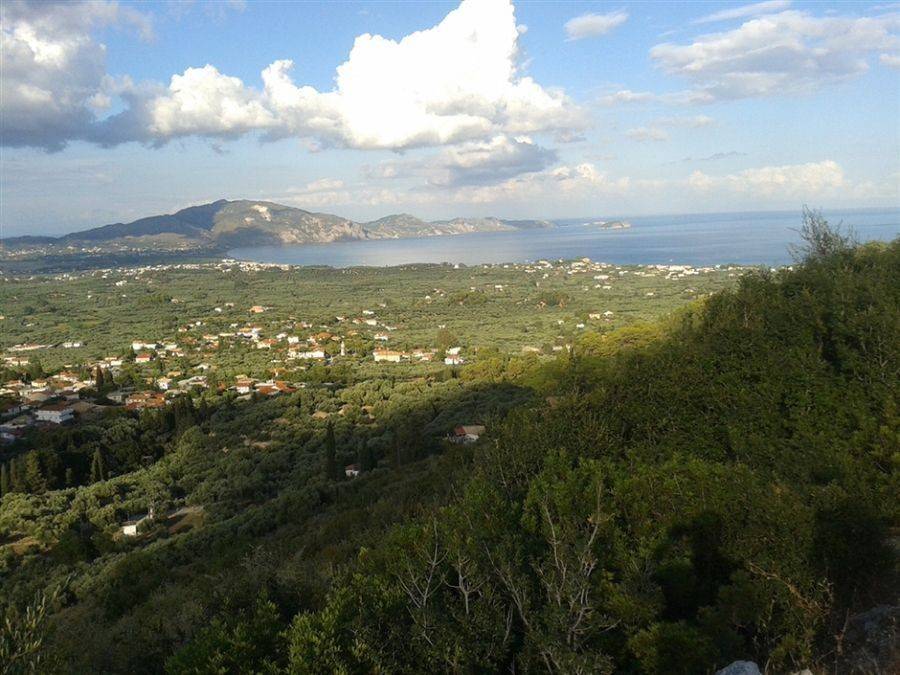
(647, 134)
(800, 180)
(628, 96)
(404, 94)
(204, 101)
(325, 184)
(685, 97)
(687, 121)
(566, 182)
(594, 25)
(744, 11)
(388, 94)
(890, 60)
(51, 71)
(485, 162)
(786, 53)
(469, 163)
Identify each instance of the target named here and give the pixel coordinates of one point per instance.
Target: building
(131, 528)
(311, 354)
(467, 433)
(143, 357)
(387, 355)
(244, 385)
(351, 470)
(55, 413)
(138, 345)
(145, 399)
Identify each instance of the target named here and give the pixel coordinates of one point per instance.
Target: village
(149, 372)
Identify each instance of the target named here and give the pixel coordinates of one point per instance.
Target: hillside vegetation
(665, 498)
(720, 493)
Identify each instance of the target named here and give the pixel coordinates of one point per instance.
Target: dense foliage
(721, 493)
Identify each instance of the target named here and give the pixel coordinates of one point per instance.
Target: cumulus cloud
(642, 134)
(490, 161)
(470, 163)
(744, 11)
(204, 101)
(388, 94)
(800, 180)
(782, 53)
(52, 73)
(568, 181)
(890, 60)
(594, 25)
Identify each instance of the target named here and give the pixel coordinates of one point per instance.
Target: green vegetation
(690, 484)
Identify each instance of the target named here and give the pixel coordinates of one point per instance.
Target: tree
(820, 238)
(35, 481)
(4, 479)
(366, 458)
(98, 378)
(16, 478)
(23, 633)
(445, 339)
(98, 467)
(332, 470)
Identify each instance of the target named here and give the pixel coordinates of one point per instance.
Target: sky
(110, 111)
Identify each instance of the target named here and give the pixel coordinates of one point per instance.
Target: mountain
(224, 224)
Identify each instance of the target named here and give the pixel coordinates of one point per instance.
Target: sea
(751, 238)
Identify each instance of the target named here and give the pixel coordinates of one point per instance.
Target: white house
(387, 355)
(57, 413)
(131, 528)
(311, 354)
(139, 345)
(351, 470)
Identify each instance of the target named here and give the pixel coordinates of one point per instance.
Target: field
(506, 307)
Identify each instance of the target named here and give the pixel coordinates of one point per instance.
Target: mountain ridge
(229, 223)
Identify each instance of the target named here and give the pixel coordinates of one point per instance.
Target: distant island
(225, 224)
(611, 224)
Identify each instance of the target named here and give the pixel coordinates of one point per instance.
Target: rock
(872, 641)
(740, 668)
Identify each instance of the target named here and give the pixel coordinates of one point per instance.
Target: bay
(752, 238)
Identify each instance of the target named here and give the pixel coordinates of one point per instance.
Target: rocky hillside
(224, 224)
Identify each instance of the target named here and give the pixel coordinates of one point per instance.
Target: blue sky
(111, 111)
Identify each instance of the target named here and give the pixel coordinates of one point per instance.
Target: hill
(667, 497)
(223, 224)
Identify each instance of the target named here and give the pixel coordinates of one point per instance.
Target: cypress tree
(332, 470)
(70, 477)
(366, 458)
(35, 481)
(4, 479)
(98, 467)
(16, 484)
